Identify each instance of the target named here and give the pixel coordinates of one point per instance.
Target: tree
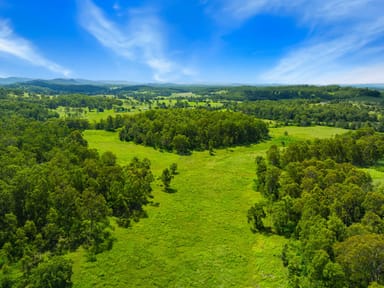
(94, 213)
(273, 156)
(130, 195)
(181, 144)
(362, 257)
(173, 168)
(261, 169)
(55, 272)
(166, 178)
(255, 217)
(272, 185)
(283, 216)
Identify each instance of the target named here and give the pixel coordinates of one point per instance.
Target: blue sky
(195, 41)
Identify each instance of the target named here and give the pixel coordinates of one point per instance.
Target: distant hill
(60, 86)
(231, 92)
(13, 80)
(370, 86)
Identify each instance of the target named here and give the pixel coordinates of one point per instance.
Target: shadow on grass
(170, 190)
(154, 204)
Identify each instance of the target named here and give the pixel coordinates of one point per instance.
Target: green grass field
(197, 236)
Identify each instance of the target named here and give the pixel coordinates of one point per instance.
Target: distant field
(303, 133)
(198, 236)
(95, 116)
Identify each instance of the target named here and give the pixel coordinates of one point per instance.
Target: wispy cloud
(141, 41)
(306, 11)
(327, 60)
(344, 38)
(12, 44)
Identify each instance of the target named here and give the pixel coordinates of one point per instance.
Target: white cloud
(12, 44)
(342, 43)
(329, 60)
(307, 11)
(141, 41)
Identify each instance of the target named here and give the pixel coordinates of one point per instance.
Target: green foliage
(330, 209)
(362, 148)
(56, 194)
(344, 114)
(183, 130)
(166, 178)
(362, 257)
(273, 156)
(173, 168)
(196, 237)
(251, 93)
(256, 215)
(129, 197)
(55, 272)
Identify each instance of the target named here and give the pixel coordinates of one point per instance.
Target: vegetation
(197, 236)
(184, 130)
(327, 207)
(348, 115)
(237, 93)
(65, 207)
(56, 194)
(251, 93)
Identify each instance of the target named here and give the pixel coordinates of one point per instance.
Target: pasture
(197, 236)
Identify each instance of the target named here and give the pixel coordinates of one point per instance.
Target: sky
(195, 41)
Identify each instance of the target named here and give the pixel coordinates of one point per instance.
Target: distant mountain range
(60, 85)
(63, 85)
(13, 80)
(61, 81)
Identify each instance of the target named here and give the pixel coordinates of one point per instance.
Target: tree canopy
(183, 130)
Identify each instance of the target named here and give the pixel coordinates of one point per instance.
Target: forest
(56, 194)
(184, 130)
(328, 209)
(81, 173)
(341, 114)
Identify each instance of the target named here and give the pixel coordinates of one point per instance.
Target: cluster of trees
(330, 211)
(81, 101)
(41, 108)
(183, 130)
(57, 194)
(363, 147)
(24, 108)
(333, 92)
(306, 112)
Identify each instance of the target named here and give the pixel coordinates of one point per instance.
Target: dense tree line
(57, 194)
(28, 109)
(237, 93)
(183, 130)
(41, 108)
(81, 101)
(305, 113)
(363, 147)
(327, 207)
(53, 87)
(333, 92)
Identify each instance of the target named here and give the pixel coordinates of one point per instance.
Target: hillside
(198, 236)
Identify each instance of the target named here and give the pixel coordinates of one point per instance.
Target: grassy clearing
(304, 133)
(376, 174)
(198, 236)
